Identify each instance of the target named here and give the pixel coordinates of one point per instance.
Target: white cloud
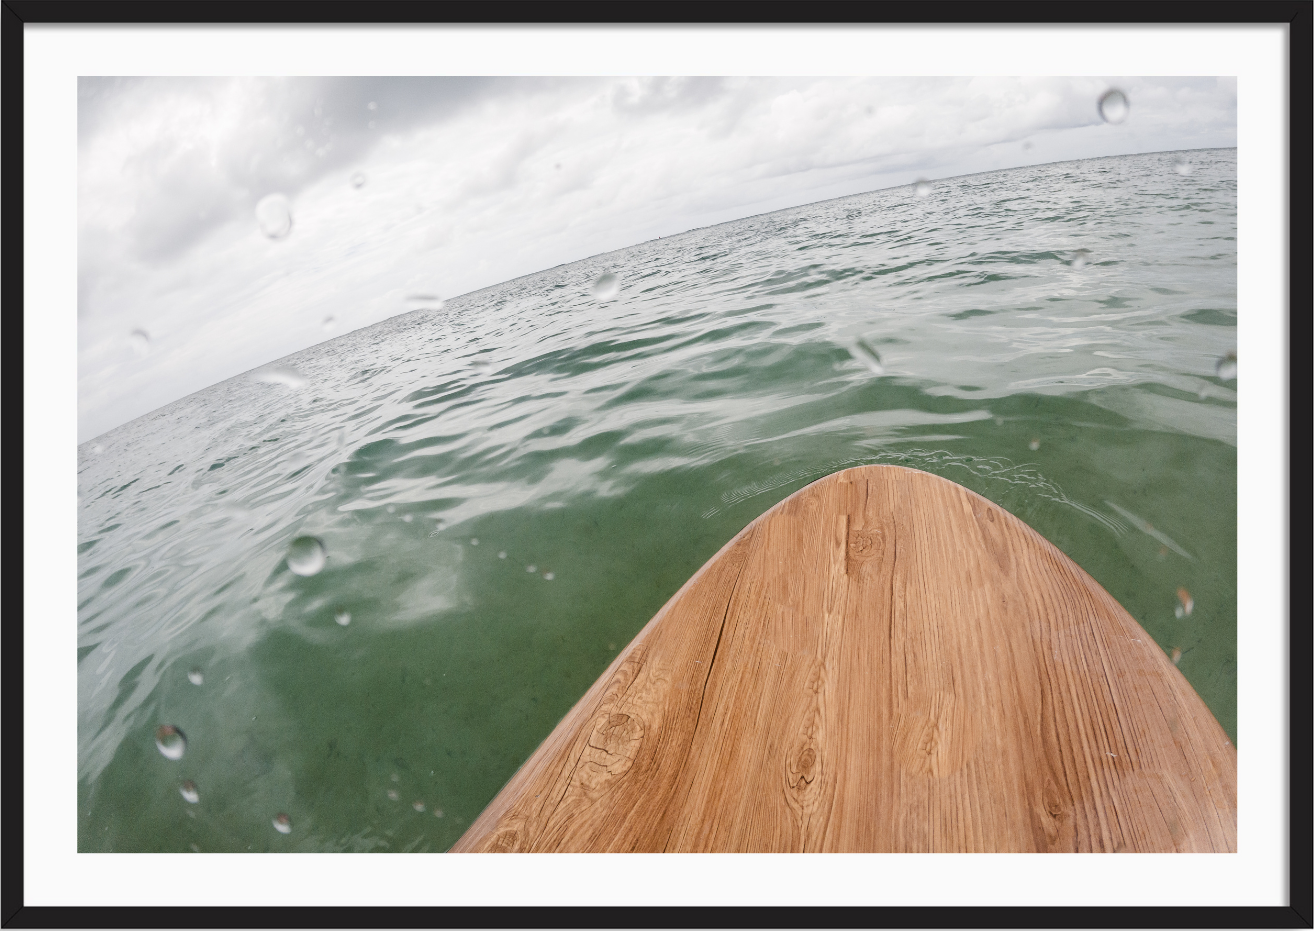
(475, 181)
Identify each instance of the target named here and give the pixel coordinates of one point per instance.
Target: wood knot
(1053, 826)
(611, 750)
(865, 544)
(803, 771)
(618, 737)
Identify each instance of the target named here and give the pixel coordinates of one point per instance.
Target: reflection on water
(451, 461)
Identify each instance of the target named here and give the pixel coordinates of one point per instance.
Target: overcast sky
(468, 182)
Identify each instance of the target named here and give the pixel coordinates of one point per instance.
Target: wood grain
(883, 662)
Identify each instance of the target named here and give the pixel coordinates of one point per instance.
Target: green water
(617, 446)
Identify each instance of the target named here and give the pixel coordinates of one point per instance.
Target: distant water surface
(508, 487)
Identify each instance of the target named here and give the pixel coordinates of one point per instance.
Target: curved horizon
(171, 257)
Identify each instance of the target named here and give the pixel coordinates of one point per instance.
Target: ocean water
(508, 486)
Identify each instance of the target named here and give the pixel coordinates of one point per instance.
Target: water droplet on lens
(140, 341)
(407, 518)
(1177, 656)
(305, 556)
(1187, 603)
(474, 541)
(1035, 445)
(391, 509)
(394, 794)
(1226, 368)
(189, 793)
(434, 301)
(396, 778)
(1079, 258)
(437, 812)
(481, 367)
(1113, 106)
(195, 676)
(549, 576)
(282, 823)
(343, 618)
(502, 555)
(1183, 167)
(922, 188)
(531, 568)
(280, 375)
(869, 356)
(358, 179)
(1027, 144)
(417, 805)
(330, 323)
(371, 105)
(170, 741)
(274, 214)
(97, 449)
(606, 287)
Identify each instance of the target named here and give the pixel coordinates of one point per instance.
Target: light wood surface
(883, 662)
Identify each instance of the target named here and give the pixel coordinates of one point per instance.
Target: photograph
(668, 449)
(664, 463)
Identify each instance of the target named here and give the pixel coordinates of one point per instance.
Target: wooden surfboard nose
(885, 661)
